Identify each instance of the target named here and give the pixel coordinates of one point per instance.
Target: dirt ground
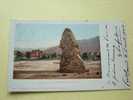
(49, 69)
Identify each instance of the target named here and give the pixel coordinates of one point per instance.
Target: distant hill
(86, 45)
(52, 50)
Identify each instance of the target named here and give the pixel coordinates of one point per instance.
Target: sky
(44, 35)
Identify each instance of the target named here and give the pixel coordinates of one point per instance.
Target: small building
(36, 54)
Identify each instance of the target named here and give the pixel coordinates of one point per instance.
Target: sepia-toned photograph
(57, 51)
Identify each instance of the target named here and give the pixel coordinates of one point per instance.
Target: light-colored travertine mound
(70, 59)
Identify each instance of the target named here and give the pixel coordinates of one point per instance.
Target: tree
(44, 57)
(89, 56)
(85, 56)
(18, 55)
(95, 55)
(53, 55)
(28, 55)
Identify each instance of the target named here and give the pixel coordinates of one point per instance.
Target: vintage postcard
(67, 56)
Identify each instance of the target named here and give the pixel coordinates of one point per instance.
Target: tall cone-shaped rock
(70, 58)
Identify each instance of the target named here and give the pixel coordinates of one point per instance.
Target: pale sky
(42, 35)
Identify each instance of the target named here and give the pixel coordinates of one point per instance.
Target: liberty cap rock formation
(70, 58)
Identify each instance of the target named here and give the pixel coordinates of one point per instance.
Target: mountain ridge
(85, 45)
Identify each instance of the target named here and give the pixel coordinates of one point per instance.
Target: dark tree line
(50, 56)
(27, 56)
(18, 56)
(90, 56)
